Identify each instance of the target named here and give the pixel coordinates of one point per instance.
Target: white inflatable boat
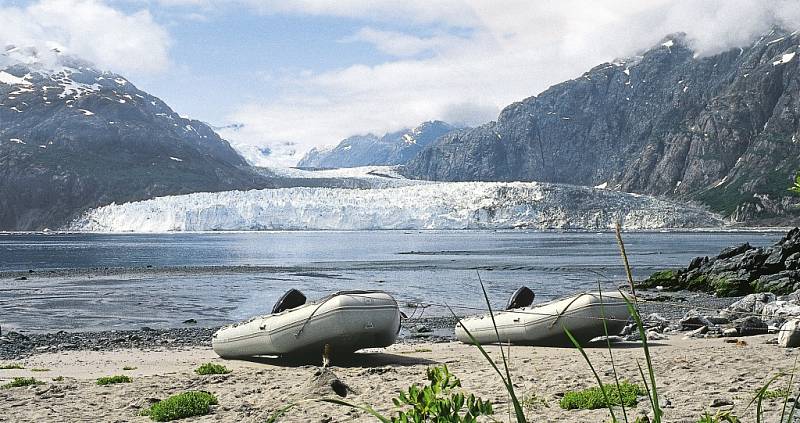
(346, 321)
(544, 324)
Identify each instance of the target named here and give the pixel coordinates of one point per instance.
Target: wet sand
(691, 374)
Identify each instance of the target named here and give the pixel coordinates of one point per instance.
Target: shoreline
(691, 374)
(15, 344)
(712, 229)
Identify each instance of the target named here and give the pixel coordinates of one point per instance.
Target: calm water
(416, 267)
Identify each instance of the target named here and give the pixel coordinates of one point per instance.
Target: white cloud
(90, 29)
(512, 50)
(405, 45)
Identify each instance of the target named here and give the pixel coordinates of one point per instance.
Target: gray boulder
(750, 304)
(792, 262)
(750, 326)
(789, 335)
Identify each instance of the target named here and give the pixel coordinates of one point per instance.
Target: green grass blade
(646, 385)
(507, 383)
(610, 353)
(638, 320)
(788, 390)
(594, 372)
(517, 406)
(760, 397)
(366, 409)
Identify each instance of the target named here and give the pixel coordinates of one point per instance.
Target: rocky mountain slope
(367, 150)
(721, 130)
(73, 137)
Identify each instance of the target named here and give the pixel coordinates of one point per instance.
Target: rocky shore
(738, 270)
(16, 345)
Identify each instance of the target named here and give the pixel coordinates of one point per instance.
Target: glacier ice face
(455, 205)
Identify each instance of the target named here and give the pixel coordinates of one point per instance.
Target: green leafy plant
(183, 405)
(795, 188)
(58, 379)
(110, 380)
(719, 417)
(439, 402)
(533, 401)
(595, 397)
(212, 369)
(20, 382)
(774, 393)
(11, 366)
(127, 368)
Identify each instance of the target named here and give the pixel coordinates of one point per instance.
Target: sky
(302, 73)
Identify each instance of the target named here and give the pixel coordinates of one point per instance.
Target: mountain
(73, 137)
(721, 130)
(367, 150)
(406, 205)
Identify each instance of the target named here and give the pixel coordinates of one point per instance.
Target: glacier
(439, 205)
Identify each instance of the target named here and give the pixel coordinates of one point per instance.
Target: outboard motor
(291, 299)
(522, 297)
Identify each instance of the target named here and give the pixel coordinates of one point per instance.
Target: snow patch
(9, 79)
(175, 159)
(86, 112)
(17, 141)
(786, 58)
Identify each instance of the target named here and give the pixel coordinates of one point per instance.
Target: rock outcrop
(739, 270)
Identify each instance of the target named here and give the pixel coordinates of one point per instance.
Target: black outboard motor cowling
(522, 297)
(291, 299)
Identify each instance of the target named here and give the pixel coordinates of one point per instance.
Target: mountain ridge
(721, 130)
(393, 148)
(73, 137)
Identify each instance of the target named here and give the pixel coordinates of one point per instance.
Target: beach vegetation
(180, 406)
(58, 379)
(111, 380)
(719, 417)
(19, 382)
(212, 369)
(533, 401)
(11, 366)
(128, 368)
(596, 397)
(442, 400)
(439, 401)
(774, 393)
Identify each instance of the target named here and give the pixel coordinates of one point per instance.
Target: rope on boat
(328, 298)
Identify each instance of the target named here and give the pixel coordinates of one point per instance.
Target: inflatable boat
(345, 321)
(544, 324)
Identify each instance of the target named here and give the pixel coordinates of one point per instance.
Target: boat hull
(345, 321)
(543, 325)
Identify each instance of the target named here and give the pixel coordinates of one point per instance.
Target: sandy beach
(691, 374)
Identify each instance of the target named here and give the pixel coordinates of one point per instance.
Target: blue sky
(304, 73)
